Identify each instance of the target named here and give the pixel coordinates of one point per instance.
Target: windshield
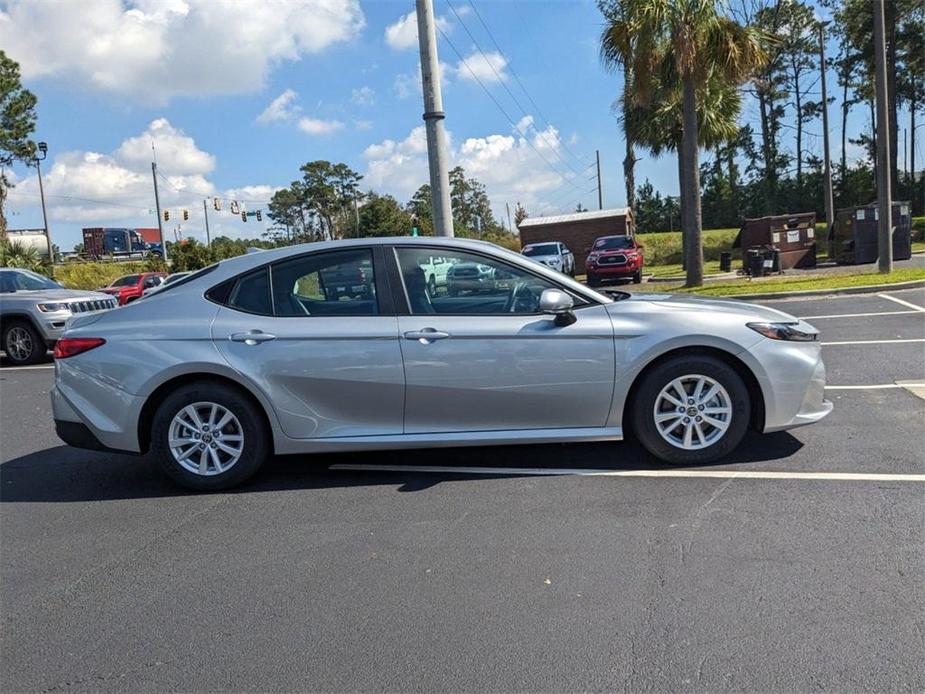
(126, 281)
(613, 242)
(24, 281)
(541, 249)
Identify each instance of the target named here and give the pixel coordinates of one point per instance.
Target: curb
(809, 293)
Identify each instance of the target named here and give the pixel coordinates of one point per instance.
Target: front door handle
(426, 336)
(251, 337)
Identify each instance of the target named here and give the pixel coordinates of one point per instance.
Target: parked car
(436, 268)
(170, 279)
(554, 254)
(33, 311)
(470, 277)
(264, 363)
(614, 258)
(128, 288)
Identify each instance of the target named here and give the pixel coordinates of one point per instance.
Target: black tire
(642, 416)
(637, 278)
(592, 280)
(432, 286)
(31, 347)
(257, 442)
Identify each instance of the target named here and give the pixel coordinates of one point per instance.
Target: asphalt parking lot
(472, 576)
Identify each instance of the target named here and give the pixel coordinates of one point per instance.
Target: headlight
(52, 308)
(783, 331)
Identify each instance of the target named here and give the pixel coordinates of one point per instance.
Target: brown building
(577, 231)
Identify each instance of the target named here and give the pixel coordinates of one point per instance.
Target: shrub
(96, 275)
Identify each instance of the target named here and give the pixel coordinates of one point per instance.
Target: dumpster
(853, 237)
(793, 236)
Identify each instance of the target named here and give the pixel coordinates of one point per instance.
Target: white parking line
(877, 387)
(714, 474)
(858, 315)
(26, 368)
(872, 342)
(902, 302)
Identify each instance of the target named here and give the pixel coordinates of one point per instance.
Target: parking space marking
(858, 315)
(684, 473)
(902, 302)
(26, 368)
(877, 386)
(872, 342)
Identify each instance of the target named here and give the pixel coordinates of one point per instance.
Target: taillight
(69, 346)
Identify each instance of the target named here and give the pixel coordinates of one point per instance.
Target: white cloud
(153, 50)
(508, 164)
(281, 108)
(115, 189)
(317, 126)
(403, 33)
(364, 96)
(487, 67)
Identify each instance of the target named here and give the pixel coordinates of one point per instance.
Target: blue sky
(237, 96)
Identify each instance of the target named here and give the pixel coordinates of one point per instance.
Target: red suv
(130, 287)
(614, 258)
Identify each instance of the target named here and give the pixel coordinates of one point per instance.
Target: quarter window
(471, 284)
(251, 293)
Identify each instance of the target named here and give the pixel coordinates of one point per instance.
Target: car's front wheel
(208, 436)
(690, 410)
(22, 343)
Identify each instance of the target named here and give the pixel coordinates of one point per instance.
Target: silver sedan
(256, 355)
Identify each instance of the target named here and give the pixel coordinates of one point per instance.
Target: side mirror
(557, 303)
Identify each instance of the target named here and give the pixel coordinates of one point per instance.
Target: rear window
(126, 281)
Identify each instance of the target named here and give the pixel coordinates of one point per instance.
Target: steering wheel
(521, 298)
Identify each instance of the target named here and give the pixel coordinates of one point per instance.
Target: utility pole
(510, 227)
(205, 212)
(157, 205)
(827, 166)
(884, 194)
(433, 120)
(600, 192)
(43, 148)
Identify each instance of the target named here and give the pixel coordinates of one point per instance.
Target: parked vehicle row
(617, 257)
(554, 254)
(267, 361)
(129, 288)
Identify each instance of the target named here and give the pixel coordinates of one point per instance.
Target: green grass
(710, 267)
(793, 284)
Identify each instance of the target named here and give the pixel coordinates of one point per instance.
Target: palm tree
(17, 254)
(689, 44)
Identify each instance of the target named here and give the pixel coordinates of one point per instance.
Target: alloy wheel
(19, 344)
(206, 438)
(693, 412)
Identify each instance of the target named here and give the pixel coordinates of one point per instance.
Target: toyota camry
(257, 355)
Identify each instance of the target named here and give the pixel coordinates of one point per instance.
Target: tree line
(690, 66)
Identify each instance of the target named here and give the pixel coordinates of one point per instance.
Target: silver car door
(475, 362)
(321, 345)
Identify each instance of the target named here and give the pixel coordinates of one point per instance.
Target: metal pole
(433, 120)
(510, 227)
(205, 212)
(51, 253)
(356, 214)
(827, 170)
(157, 205)
(884, 194)
(600, 192)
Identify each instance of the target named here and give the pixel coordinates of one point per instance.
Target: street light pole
(43, 148)
(433, 120)
(827, 166)
(157, 205)
(884, 194)
(205, 212)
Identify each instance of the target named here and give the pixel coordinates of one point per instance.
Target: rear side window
(339, 283)
(251, 293)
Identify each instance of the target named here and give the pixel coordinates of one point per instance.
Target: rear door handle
(251, 337)
(426, 336)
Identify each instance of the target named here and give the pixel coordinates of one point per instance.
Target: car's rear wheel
(690, 410)
(593, 281)
(22, 343)
(208, 436)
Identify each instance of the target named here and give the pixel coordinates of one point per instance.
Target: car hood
(679, 302)
(57, 295)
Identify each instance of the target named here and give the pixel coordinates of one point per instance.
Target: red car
(614, 258)
(130, 287)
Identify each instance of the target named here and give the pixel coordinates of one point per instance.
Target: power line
(516, 77)
(501, 108)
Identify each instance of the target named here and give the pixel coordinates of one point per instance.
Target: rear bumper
(79, 435)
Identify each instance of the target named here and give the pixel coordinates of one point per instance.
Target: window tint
(341, 283)
(472, 284)
(252, 293)
(613, 243)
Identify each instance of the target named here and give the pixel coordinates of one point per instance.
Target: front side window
(474, 285)
(340, 283)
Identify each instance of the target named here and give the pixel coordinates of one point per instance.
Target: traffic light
(166, 215)
(235, 208)
(244, 216)
(217, 204)
(259, 218)
(185, 215)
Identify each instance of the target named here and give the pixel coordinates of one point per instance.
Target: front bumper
(616, 270)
